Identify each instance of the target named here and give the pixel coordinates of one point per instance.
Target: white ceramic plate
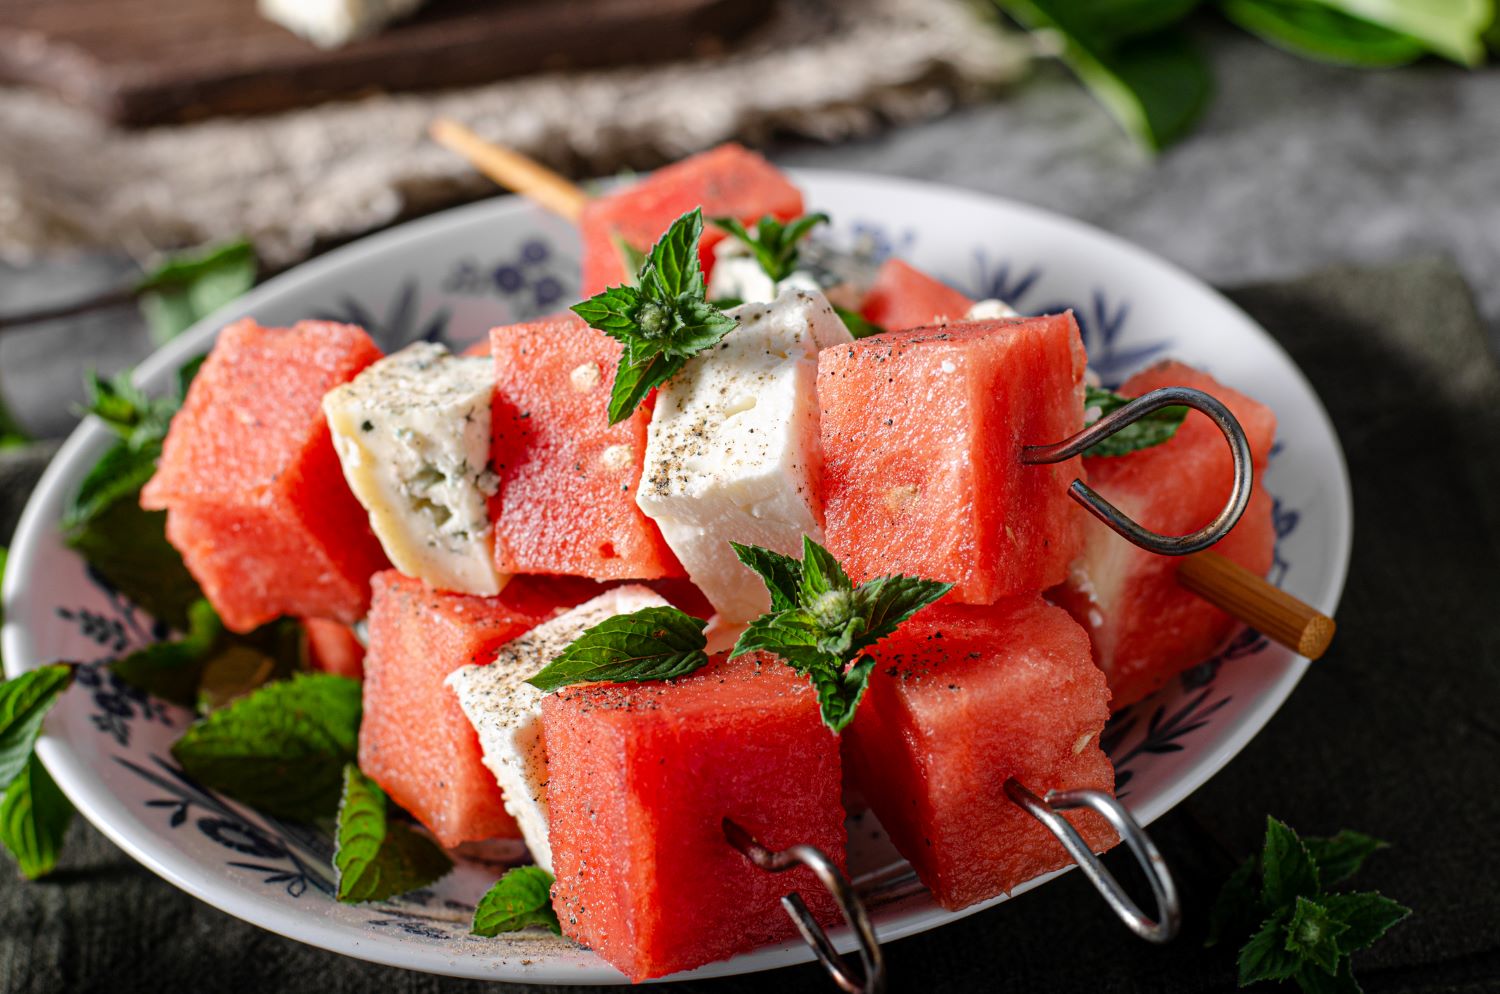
(451, 277)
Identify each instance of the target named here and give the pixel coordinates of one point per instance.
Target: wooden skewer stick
(1272, 611)
(1222, 582)
(512, 170)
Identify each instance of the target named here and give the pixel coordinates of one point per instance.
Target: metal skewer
(872, 980)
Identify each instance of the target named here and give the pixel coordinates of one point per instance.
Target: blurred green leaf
(191, 285)
(1148, 75)
(1314, 30)
(1454, 29)
(12, 435)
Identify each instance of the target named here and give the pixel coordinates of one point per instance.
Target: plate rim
(72, 774)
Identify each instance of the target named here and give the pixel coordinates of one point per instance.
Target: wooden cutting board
(154, 61)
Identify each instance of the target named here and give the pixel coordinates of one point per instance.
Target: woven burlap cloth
(821, 68)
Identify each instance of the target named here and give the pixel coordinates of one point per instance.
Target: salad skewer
(1250, 599)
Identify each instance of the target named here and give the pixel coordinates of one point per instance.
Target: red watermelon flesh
(729, 180)
(903, 296)
(332, 647)
(962, 699)
(922, 436)
(640, 776)
(414, 739)
(256, 501)
(1145, 627)
(566, 502)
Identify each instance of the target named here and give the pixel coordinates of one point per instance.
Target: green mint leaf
(1340, 856)
(673, 267)
(243, 663)
(1454, 29)
(887, 601)
(1154, 429)
(189, 286)
(821, 573)
(858, 325)
(612, 312)
(1287, 870)
(1145, 72)
(1265, 956)
(632, 258)
(662, 322)
(34, 817)
(1366, 916)
(791, 635)
(118, 475)
(654, 643)
(1314, 30)
(24, 702)
(12, 435)
(377, 858)
(1313, 980)
(281, 749)
(820, 622)
(173, 670)
(840, 691)
(1237, 908)
(128, 547)
(634, 381)
(781, 574)
(1312, 935)
(4, 555)
(773, 244)
(520, 899)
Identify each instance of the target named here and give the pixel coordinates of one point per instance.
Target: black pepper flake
(366, 426)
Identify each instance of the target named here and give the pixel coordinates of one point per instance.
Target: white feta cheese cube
(506, 711)
(413, 434)
(985, 310)
(331, 23)
(733, 451)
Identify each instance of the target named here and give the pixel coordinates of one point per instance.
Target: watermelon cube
(414, 740)
(1145, 627)
(903, 296)
(255, 499)
(332, 647)
(962, 699)
(568, 478)
(727, 180)
(640, 777)
(922, 437)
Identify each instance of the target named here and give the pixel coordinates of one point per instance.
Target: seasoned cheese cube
(413, 434)
(733, 451)
(506, 711)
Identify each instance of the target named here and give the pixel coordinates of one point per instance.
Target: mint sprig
(663, 320)
(189, 286)
(1154, 429)
(654, 643)
(773, 244)
(1297, 929)
(821, 622)
(34, 814)
(377, 858)
(282, 748)
(520, 899)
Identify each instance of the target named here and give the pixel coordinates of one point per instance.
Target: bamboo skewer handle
(1222, 582)
(1273, 612)
(512, 170)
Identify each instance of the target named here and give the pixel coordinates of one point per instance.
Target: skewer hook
(1165, 545)
(778, 861)
(1046, 810)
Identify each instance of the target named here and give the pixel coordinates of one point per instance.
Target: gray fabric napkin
(1394, 733)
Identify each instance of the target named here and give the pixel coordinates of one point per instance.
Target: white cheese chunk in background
(733, 451)
(331, 23)
(413, 434)
(985, 310)
(737, 275)
(506, 711)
